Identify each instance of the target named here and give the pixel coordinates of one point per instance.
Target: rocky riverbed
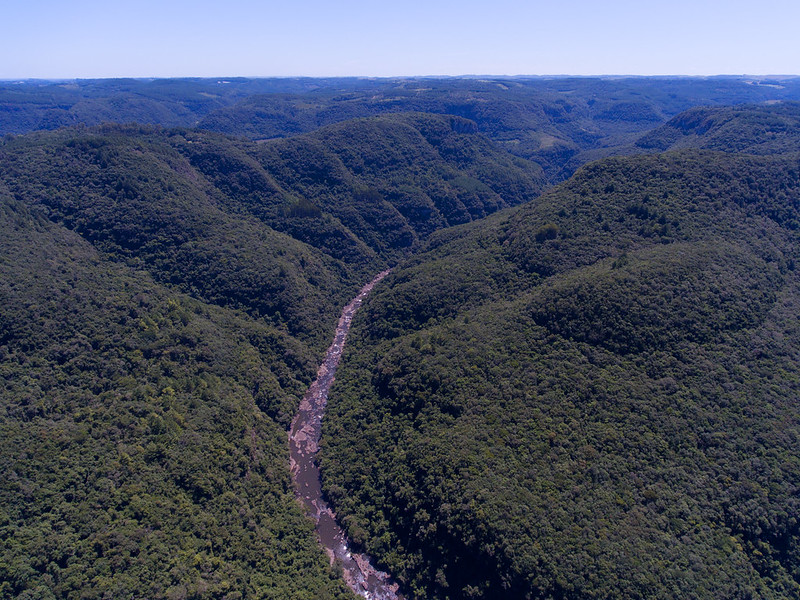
(358, 571)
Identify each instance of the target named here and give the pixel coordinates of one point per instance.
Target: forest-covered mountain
(165, 296)
(142, 447)
(560, 123)
(593, 395)
(285, 230)
(590, 393)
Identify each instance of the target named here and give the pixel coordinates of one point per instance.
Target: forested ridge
(287, 230)
(558, 122)
(769, 128)
(593, 395)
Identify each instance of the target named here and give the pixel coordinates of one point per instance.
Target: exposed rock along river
(359, 573)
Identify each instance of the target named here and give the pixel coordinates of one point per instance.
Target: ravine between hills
(359, 573)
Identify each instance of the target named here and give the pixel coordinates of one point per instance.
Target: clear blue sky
(145, 38)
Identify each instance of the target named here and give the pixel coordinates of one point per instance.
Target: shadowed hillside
(142, 444)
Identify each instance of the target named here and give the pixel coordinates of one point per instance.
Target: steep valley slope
(593, 395)
(141, 442)
(165, 297)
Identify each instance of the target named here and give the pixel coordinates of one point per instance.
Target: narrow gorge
(359, 573)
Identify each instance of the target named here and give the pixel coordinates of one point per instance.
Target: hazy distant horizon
(480, 76)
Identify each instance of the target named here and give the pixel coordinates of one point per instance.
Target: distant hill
(34, 105)
(752, 129)
(560, 123)
(592, 395)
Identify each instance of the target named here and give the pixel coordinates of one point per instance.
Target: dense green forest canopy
(165, 295)
(286, 230)
(593, 395)
(589, 393)
(142, 444)
(770, 128)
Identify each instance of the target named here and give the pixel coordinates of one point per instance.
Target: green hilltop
(752, 129)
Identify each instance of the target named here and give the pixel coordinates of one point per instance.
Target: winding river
(363, 578)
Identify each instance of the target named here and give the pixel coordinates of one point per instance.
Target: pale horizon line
(390, 77)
